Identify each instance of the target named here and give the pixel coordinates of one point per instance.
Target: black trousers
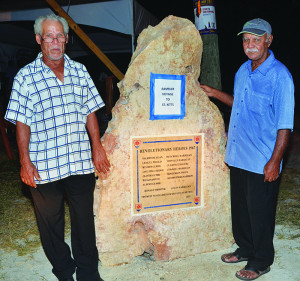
(49, 208)
(253, 209)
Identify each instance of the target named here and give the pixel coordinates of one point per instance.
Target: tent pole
(133, 25)
(94, 48)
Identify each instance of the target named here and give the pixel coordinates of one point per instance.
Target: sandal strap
(251, 268)
(237, 256)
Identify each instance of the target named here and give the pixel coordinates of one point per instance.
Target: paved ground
(202, 267)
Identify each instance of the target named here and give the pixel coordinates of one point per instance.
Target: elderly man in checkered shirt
(53, 104)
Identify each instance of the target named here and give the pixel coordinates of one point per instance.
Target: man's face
(55, 50)
(256, 47)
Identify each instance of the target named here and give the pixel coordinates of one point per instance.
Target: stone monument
(167, 193)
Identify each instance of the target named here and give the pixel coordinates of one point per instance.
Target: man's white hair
(38, 23)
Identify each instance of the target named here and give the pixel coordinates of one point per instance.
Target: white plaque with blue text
(167, 96)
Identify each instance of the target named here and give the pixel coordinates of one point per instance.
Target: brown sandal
(249, 268)
(225, 258)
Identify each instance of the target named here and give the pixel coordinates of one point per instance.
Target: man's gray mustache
(55, 48)
(252, 50)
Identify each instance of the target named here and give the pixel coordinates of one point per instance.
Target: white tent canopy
(112, 25)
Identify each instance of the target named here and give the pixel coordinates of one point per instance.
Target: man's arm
(99, 155)
(221, 96)
(272, 168)
(28, 170)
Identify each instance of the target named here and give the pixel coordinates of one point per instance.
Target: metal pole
(205, 22)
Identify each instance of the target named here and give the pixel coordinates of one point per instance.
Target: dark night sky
(230, 16)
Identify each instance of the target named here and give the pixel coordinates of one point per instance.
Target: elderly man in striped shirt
(53, 104)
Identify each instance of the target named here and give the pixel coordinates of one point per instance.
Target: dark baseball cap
(257, 27)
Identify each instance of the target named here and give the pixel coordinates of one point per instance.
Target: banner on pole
(205, 17)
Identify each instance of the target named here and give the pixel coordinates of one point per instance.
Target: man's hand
(271, 171)
(209, 91)
(28, 173)
(219, 95)
(100, 160)
(272, 168)
(28, 170)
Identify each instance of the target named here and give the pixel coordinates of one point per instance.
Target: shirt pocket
(259, 103)
(80, 100)
(81, 94)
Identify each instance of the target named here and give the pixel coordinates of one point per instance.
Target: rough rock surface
(174, 46)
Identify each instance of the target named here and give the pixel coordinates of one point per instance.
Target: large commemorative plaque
(166, 173)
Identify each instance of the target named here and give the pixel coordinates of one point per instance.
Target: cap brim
(253, 31)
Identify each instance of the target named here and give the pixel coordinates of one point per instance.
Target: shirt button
(242, 101)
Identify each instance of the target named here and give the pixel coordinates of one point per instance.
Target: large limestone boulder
(172, 47)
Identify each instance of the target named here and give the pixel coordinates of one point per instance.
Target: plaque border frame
(201, 203)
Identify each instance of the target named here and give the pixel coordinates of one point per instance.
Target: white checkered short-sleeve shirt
(56, 113)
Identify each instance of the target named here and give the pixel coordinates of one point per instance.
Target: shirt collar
(265, 66)
(39, 65)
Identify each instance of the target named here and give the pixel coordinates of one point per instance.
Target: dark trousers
(49, 208)
(253, 209)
